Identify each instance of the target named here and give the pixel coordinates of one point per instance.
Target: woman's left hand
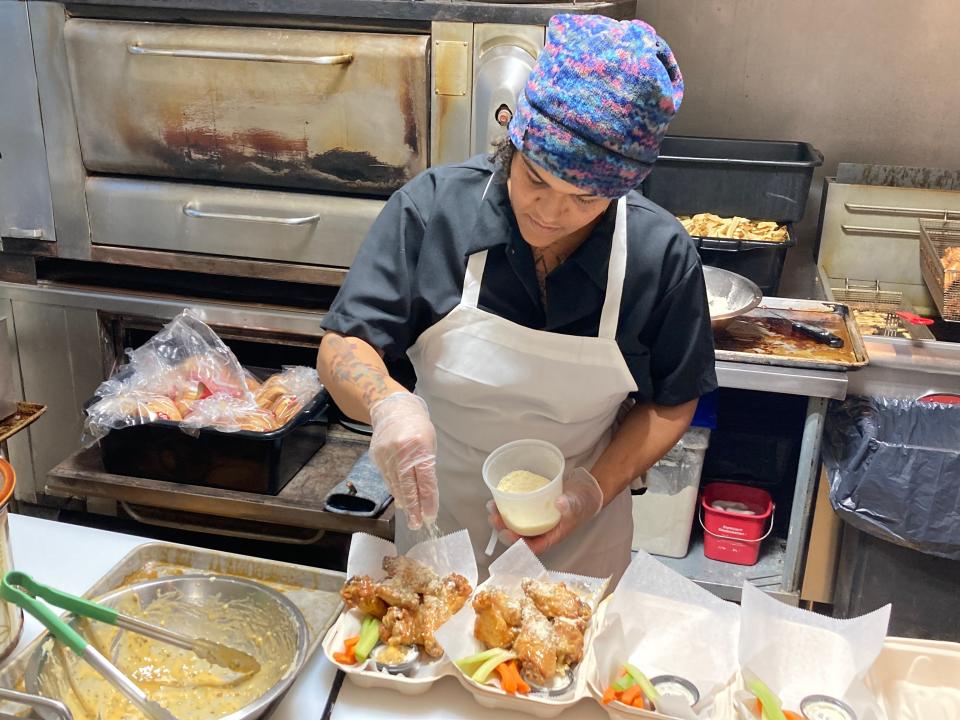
(581, 500)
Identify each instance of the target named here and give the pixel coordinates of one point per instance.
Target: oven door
(319, 110)
(69, 340)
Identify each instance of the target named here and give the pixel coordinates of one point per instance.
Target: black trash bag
(894, 470)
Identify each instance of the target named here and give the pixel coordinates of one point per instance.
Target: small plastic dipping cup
(534, 512)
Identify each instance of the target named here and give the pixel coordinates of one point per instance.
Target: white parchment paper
(664, 624)
(799, 653)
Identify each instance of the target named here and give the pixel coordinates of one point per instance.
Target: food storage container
(530, 513)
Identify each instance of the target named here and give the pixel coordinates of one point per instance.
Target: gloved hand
(404, 449)
(581, 500)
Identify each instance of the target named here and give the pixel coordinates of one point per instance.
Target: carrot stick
(792, 715)
(507, 682)
(630, 694)
(758, 707)
(609, 695)
(522, 686)
(351, 641)
(344, 658)
(639, 702)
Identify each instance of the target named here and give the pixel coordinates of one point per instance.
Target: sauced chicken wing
(535, 645)
(411, 574)
(412, 601)
(398, 627)
(568, 637)
(545, 628)
(406, 580)
(360, 592)
(498, 618)
(555, 599)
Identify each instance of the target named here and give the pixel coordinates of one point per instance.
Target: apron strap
(616, 272)
(475, 266)
(472, 279)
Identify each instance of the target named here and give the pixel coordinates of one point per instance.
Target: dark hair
(502, 156)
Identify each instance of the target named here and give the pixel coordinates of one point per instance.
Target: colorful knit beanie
(597, 104)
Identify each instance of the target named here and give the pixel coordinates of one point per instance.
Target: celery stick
(644, 682)
(771, 703)
(474, 661)
(624, 683)
(369, 636)
(490, 665)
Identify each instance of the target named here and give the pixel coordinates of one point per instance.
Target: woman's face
(547, 208)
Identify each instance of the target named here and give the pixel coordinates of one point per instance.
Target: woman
(536, 296)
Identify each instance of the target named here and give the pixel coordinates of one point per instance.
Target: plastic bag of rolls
(187, 375)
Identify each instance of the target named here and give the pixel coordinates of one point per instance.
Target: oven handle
(190, 211)
(246, 535)
(343, 59)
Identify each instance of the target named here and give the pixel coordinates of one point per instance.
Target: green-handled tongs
(22, 590)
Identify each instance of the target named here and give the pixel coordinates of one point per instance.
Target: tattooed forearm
(354, 374)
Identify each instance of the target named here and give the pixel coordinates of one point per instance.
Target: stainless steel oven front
(203, 146)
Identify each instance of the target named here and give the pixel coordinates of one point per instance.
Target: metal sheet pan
(315, 591)
(761, 338)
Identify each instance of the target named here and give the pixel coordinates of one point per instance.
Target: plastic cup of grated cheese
(526, 511)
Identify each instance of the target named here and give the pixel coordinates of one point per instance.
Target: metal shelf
(726, 580)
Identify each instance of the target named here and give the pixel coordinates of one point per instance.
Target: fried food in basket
(412, 601)
(951, 266)
(735, 228)
(544, 627)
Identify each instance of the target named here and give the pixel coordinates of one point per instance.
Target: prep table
(73, 557)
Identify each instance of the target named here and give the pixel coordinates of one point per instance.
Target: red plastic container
(735, 537)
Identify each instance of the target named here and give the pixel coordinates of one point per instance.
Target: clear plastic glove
(581, 500)
(404, 449)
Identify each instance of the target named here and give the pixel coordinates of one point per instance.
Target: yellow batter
(190, 688)
(522, 481)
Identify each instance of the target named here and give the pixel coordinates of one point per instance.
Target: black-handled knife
(811, 331)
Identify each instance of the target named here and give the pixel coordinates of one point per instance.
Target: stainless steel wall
(863, 80)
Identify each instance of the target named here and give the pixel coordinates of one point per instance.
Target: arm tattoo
(350, 369)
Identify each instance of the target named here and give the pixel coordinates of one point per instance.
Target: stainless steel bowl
(740, 295)
(279, 612)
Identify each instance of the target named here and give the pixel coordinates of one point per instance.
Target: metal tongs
(22, 590)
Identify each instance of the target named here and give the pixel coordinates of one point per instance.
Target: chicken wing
(555, 599)
(360, 592)
(569, 641)
(535, 645)
(498, 618)
(413, 574)
(406, 580)
(398, 627)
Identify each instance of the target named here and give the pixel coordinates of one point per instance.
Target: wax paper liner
(799, 653)
(506, 572)
(448, 554)
(665, 624)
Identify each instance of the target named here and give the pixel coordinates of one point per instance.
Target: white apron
(488, 381)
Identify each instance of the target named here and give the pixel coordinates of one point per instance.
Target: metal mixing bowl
(281, 613)
(741, 295)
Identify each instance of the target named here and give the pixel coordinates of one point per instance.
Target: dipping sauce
(824, 707)
(522, 481)
(678, 686)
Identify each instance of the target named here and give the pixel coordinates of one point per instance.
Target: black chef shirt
(409, 274)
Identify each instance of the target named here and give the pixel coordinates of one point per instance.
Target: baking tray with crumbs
(765, 336)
